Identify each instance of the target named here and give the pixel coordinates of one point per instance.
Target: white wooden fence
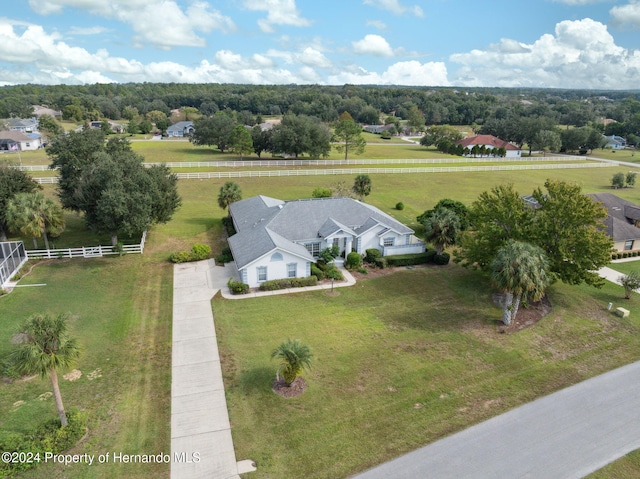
(87, 251)
(382, 171)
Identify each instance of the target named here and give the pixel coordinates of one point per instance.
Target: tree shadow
(257, 379)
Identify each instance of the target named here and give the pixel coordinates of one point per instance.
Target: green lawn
(401, 361)
(419, 332)
(122, 319)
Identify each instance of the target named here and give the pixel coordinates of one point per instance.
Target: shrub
(334, 273)
(380, 263)
(285, 283)
(363, 270)
(372, 254)
(329, 254)
(410, 259)
(225, 256)
(237, 287)
(441, 259)
(180, 257)
(118, 248)
(48, 437)
(228, 226)
(354, 260)
(400, 205)
(317, 272)
(322, 193)
(385, 135)
(200, 251)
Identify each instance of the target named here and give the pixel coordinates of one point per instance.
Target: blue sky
(502, 43)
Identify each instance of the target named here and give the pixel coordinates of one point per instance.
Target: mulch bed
(298, 386)
(526, 316)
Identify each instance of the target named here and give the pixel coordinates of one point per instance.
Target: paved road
(568, 434)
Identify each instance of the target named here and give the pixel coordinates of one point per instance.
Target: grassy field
(122, 319)
(401, 361)
(440, 325)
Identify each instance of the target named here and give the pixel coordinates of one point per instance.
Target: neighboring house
(180, 129)
(28, 125)
(115, 127)
(16, 141)
(491, 142)
(615, 142)
(39, 110)
(277, 239)
(622, 222)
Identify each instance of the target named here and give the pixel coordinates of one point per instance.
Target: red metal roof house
(490, 142)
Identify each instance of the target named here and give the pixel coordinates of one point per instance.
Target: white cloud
(581, 54)
(377, 24)
(87, 30)
(400, 73)
(280, 12)
(313, 58)
(626, 15)
(394, 6)
(579, 2)
(162, 23)
(373, 45)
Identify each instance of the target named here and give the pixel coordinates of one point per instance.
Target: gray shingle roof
(263, 223)
(620, 213)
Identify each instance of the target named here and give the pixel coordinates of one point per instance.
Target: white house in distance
(277, 239)
(180, 129)
(17, 141)
(491, 142)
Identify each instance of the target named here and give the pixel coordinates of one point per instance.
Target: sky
(573, 44)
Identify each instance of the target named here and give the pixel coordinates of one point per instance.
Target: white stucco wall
(276, 268)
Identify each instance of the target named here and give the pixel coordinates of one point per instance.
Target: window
(276, 257)
(262, 273)
(313, 248)
(292, 270)
(336, 242)
(388, 241)
(628, 245)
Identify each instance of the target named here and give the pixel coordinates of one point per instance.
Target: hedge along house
(277, 239)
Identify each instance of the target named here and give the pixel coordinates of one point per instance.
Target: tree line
(365, 104)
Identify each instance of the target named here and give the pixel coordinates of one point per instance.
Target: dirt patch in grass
(297, 387)
(527, 315)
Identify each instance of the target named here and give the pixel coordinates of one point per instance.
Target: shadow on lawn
(257, 379)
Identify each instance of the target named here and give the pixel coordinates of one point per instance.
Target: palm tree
(519, 269)
(442, 228)
(45, 347)
(362, 186)
(35, 215)
(229, 193)
(294, 357)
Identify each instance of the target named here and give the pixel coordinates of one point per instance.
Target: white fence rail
(87, 251)
(364, 161)
(357, 171)
(382, 171)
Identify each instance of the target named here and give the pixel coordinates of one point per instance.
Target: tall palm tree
(519, 269)
(35, 215)
(294, 357)
(229, 193)
(45, 348)
(442, 228)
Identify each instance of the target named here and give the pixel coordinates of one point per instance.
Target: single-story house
(623, 221)
(26, 125)
(277, 239)
(490, 142)
(180, 129)
(17, 141)
(615, 142)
